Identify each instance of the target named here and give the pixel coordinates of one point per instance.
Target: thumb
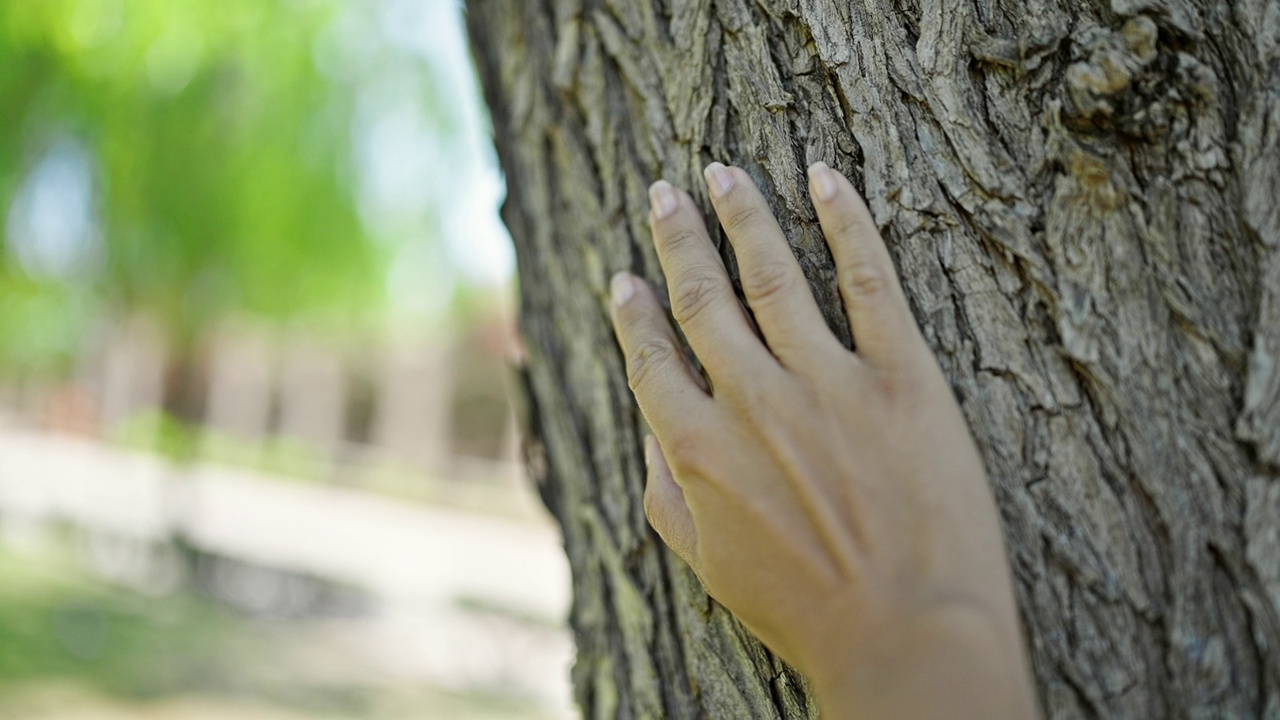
(665, 507)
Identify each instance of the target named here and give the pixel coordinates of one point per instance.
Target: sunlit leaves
(219, 142)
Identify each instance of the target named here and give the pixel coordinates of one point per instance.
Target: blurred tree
(186, 161)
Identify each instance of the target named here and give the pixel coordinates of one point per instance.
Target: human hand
(832, 500)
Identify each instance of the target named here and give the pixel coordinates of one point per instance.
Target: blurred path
(461, 599)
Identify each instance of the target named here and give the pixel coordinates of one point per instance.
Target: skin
(834, 501)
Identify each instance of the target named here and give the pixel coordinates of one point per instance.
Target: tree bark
(1083, 199)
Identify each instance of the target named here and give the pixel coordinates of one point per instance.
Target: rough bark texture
(1083, 198)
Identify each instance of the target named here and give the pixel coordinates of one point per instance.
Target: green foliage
(220, 142)
(39, 323)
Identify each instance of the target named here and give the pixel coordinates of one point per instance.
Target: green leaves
(220, 143)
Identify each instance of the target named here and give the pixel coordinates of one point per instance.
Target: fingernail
(621, 288)
(662, 199)
(719, 179)
(822, 181)
(648, 450)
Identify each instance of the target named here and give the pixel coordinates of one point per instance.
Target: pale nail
(621, 288)
(662, 199)
(823, 181)
(719, 179)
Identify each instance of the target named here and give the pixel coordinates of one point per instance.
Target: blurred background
(257, 453)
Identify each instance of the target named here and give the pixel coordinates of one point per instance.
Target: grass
(157, 432)
(56, 623)
(76, 648)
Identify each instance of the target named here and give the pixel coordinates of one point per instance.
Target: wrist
(957, 661)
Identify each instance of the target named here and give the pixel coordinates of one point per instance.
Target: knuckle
(629, 320)
(847, 224)
(770, 281)
(917, 376)
(693, 297)
(645, 360)
(863, 279)
(756, 400)
(753, 409)
(681, 239)
(742, 216)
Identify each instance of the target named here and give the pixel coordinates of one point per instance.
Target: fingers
(776, 289)
(702, 300)
(665, 506)
(879, 317)
(657, 372)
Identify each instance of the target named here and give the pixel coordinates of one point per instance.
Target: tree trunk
(1083, 199)
(184, 399)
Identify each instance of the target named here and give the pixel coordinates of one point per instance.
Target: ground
(297, 602)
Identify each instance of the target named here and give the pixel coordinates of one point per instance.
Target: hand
(832, 500)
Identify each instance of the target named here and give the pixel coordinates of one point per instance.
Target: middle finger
(702, 299)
